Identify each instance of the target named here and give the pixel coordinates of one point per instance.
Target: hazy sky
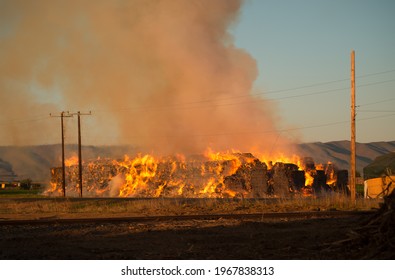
(306, 42)
(196, 73)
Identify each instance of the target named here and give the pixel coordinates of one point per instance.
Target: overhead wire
(295, 128)
(24, 120)
(378, 117)
(212, 102)
(377, 111)
(376, 102)
(255, 132)
(30, 117)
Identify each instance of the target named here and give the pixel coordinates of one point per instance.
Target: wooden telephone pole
(79, 150)
(63, 115)
(352, 159)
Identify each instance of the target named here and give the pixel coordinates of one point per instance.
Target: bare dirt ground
(242, 238)
(195, 239)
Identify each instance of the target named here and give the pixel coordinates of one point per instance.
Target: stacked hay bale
(244, 175)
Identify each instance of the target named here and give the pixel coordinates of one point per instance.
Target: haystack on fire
(213, 175)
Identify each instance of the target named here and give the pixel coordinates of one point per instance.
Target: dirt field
(217, 239)
(311, 238)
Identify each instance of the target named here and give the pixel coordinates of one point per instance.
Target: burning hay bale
(144, 176)
(249, 177)
(96, 177)
(214, 175)
(298, 180)
(319, 183)
(280, 179)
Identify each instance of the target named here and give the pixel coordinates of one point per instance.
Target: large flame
(71, 161)
(214, 174)
(138, 172)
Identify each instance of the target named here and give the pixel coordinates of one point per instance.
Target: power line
(377, 73)
(376, 102)
(181, 106)
(23, 119)
(306, 86)
(332, 90)
(377, 111)
(26, 120)
(254, 132)
(377, 117)
(211, 102)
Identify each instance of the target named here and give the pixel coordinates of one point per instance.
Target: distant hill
(338, 152)
(34, 162)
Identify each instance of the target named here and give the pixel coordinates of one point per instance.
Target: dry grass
(36, 208)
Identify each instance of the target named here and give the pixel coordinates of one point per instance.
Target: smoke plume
(163, 75)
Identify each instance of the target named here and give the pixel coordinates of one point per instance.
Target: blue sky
(298, 44)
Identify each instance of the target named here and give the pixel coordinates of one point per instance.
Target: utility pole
(79, 149)
(352, 160)
(63, 115)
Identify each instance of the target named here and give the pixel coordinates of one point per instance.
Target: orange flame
(270, 160)
(138, 172)
(221, 175)
(309, 179)
(71, 161)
